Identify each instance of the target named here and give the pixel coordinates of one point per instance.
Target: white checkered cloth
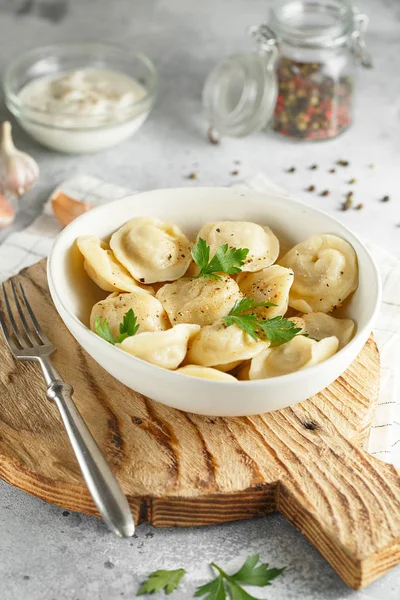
(26, 247)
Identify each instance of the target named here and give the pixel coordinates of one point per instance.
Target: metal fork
(29, 342)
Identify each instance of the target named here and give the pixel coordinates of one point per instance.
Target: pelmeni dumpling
(165, 349)
(205, 373)
(300, 353)
(219, 345)
(318, 326)
(269, 285)
(101, 266)
(262, 243)
(325, 273)
(202, 301)
(151, 250)
(150, 313)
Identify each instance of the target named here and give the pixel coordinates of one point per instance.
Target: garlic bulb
(66, 209)
(19, 171)
(7, 212)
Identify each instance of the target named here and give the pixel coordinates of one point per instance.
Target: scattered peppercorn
(324, 193)
(235, 172)
(385, 199)
(313, 167)
(349, 194)
(359, 206)
(192, 176)
(343, 163)
(351, 181)
(291, 170)
(347, 204)
(332, 170)
(311, 188)
(213, 136)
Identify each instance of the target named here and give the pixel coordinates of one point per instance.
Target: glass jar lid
(240, 93)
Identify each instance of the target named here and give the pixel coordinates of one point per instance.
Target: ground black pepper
(311, 104)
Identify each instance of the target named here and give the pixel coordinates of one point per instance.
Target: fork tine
(14, 326)
(6, 335)
(39, 331)
(28, 333)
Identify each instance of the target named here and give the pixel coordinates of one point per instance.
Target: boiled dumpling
(150, 313)
(202, 301)
(165, 349)
(101, 266)
(269, 285)
(318, 326)
(325, 273)
(297, 354)
(262, 243)
(219, 345)
(205, 373)
(151, 250)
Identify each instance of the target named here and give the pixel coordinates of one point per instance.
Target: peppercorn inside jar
(319, 45)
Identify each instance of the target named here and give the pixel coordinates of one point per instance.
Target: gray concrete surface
(46, 554)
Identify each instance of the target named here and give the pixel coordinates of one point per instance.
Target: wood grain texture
(180, 469)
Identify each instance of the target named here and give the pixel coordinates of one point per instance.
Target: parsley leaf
(277, 330)
(251, 573)
(225, 260)
(129, 326)
(215, 589)
(163, 579)
(103, 330)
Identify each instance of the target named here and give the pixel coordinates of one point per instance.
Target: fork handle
(102, 484)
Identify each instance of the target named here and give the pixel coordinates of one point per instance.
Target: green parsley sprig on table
(127, 328)
(225, 260)
(163, 579)
(251, 573)
(277, 330)
(223, 586)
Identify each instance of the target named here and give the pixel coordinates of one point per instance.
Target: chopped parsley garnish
(225, 260)
(127, 328)
(278, 329)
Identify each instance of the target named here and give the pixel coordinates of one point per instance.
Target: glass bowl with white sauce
(80, 97)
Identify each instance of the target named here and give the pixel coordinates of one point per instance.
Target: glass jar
(301, 79)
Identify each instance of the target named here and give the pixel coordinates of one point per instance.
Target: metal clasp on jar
(359, 46)
(267, 43)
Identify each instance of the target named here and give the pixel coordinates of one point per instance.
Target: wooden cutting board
(181, 469)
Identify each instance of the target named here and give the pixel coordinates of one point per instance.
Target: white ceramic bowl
(74, 294)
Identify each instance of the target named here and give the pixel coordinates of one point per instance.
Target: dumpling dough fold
(202, 301)
(151, 250)
(325, 273)
(269, 285)
(103, 268)
(319, 326)
(205, 373)
(262, 243)
(165, 349)
(218, 345)
(300, 353)
(150, 313)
